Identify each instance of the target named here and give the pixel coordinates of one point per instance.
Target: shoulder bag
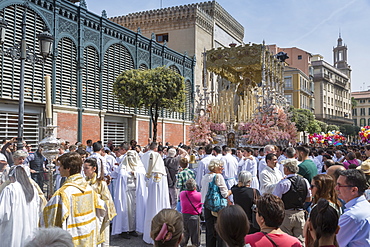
(201, 216)
(214, 200)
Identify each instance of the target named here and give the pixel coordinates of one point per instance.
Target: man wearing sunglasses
(355, 221)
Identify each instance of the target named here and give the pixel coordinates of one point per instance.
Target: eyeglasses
(348, 186)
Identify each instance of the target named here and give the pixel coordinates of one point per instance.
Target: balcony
(333, 119)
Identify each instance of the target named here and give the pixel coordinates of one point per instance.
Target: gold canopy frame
(252, 69)
(248, 64)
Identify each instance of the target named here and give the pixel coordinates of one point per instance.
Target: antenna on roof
(161, 3)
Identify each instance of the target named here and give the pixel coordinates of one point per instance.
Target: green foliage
(302, 118)
(323, 126)
(348, 129)
(333, 127)
(156, 89)
(313, 127)
(353, 103)
(356, 129)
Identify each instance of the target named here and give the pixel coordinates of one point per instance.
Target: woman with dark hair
(270, 214)
(244, 195)
(323, 225)
(90, 168)
(232, 225)
(20, 207)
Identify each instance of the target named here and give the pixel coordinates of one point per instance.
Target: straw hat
(365, 166)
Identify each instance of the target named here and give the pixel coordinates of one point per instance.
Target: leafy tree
(156, 89)
(323, 126)
(313, 127)
(302, 118)
(348, 129)
(333, 127)
(353, 103)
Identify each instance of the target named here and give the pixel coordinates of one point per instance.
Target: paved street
(117, 240)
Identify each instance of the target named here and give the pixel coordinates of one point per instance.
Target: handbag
(214, 200)
(254, 223)
(201, 216)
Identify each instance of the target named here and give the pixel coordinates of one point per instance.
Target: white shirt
(284, 185)
(220, 182)
(269, 178)
(230, 167)
(100, 159)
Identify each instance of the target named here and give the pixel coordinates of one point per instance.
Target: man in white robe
(270, 175)
(153, 147)
(230, 171)
(262, 164)
(203, 165)
(19, 210)
(130, 196)
(249, 163)
(158, 196)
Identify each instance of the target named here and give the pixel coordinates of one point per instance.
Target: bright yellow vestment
(76, 208)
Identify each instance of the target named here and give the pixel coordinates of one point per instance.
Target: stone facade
(361, 112)
(330, 98)
(189, 28)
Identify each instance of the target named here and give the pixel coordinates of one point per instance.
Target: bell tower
(340, 57)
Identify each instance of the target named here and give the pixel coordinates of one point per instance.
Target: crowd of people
(273, 196)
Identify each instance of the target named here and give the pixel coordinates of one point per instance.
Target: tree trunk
(154, 116)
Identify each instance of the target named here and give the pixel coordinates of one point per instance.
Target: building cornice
(204, 15)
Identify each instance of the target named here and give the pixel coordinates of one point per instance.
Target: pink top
(259, 239)
(195, 197)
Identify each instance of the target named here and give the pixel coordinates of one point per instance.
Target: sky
(311, 25)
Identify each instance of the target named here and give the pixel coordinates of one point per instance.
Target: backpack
(214, 200)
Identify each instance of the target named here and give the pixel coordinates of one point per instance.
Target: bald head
(334, 171)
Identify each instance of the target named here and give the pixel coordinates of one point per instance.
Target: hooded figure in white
(130, 195)
(158, 196)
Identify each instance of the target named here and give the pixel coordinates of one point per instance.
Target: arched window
(116, 60)
(9, 69)
(362, 122)
(66, 73)
(90, 79)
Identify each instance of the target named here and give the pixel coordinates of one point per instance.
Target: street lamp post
(22, 52)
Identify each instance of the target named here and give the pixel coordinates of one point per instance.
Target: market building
(89, 52)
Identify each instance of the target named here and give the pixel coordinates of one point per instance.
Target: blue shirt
(355, 223)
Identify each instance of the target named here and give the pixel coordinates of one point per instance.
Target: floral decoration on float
(364, 134)
(274, 128)
(200, 131)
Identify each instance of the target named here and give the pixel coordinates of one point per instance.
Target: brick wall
(67, 126)
(143, 132)
(90, 128)
(187, 127)
(174, 133)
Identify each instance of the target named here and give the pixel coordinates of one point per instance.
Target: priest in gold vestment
(75, 207)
